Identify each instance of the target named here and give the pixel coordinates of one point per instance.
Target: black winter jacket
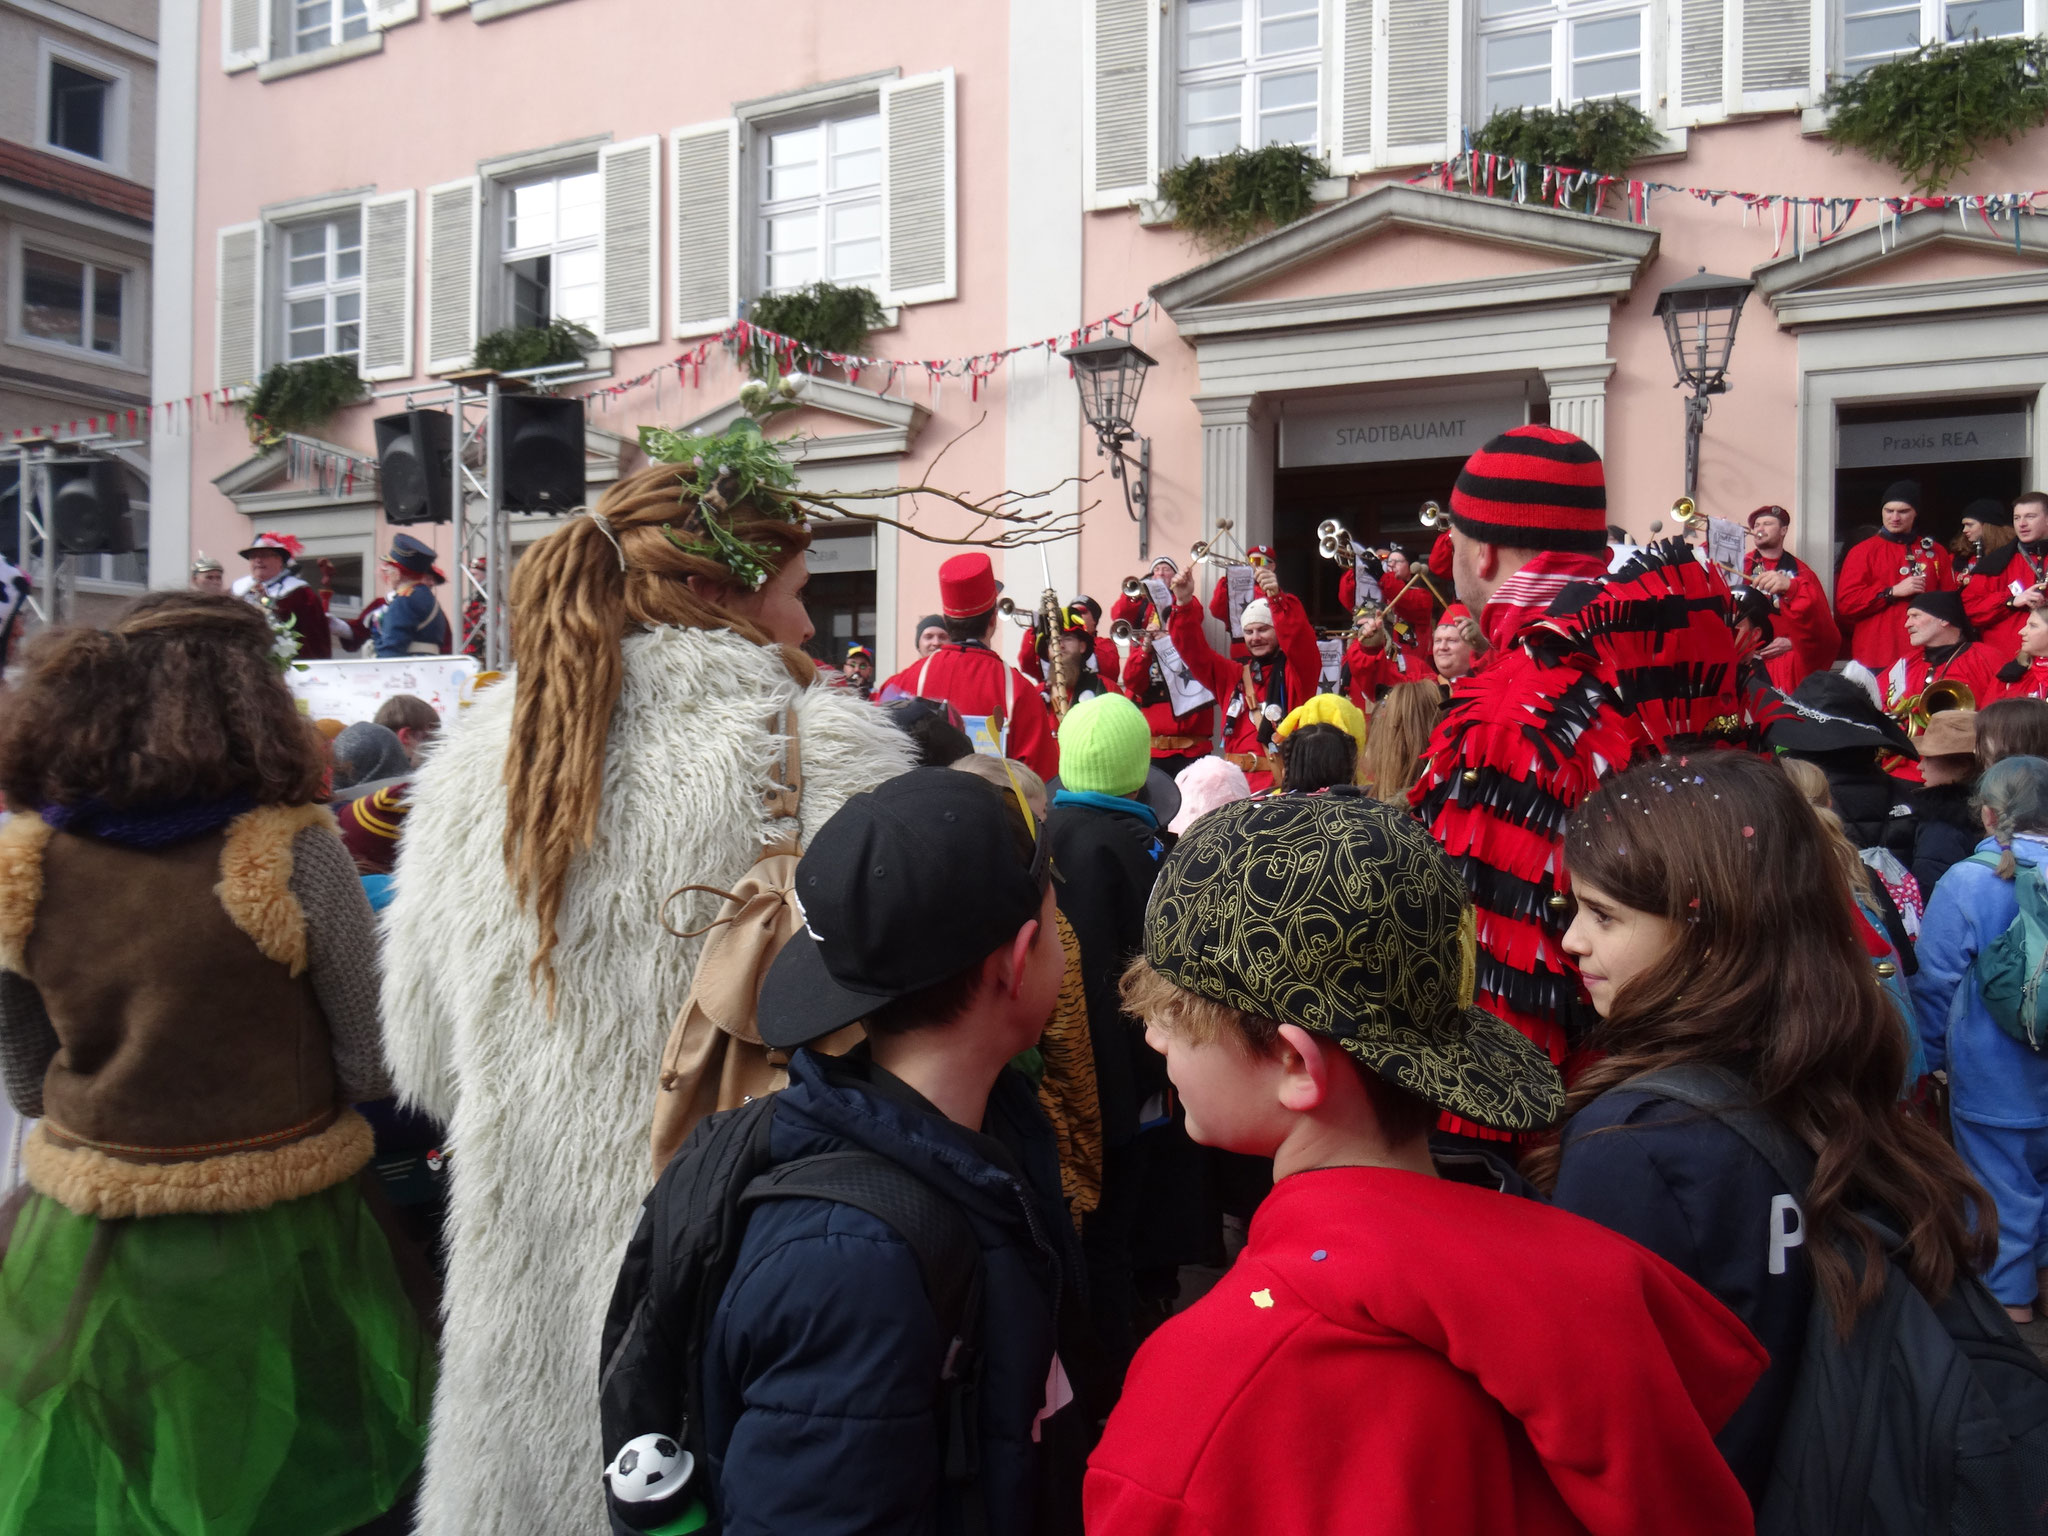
(1945, 832)
(1108, 859)
(821, 1369)
(1876, 809)
(1697, 1195)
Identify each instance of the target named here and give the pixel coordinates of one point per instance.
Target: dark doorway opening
(1935, 443)
(842, 609)
(1377, 502)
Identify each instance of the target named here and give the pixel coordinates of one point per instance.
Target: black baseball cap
(907, 884)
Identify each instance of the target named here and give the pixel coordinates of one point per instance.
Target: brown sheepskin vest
(189, 1034)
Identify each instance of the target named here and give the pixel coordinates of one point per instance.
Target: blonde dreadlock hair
(572, 605)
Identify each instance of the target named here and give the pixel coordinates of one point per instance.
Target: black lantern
(1110, 373)
(1699, 318)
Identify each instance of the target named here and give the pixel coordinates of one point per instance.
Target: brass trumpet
(1432, 516)
(1684, 510)
(1121, 632)
(1134, 588)
(1021, 617)
(1942, 694)
(1334, 541)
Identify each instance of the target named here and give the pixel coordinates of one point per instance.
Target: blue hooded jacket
(1993, 1078)
(821, 1370)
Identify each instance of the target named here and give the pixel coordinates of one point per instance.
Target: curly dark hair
(179, 701)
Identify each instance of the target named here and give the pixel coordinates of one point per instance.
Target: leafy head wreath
(740, 466)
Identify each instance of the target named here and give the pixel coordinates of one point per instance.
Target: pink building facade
(396, 177)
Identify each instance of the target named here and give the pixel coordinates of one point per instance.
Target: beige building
(77, 169)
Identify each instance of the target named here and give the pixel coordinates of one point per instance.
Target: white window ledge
(1155, 213)
(1813, 122)
(320, 58)
(1675, 143)
(491, 10)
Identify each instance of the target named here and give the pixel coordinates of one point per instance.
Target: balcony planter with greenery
(1930, 112)
(821, 318)
(1606, 137)
(534, 346)
(298, 397)
(1225, 200)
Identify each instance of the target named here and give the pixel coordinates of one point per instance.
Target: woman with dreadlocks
(530, 982)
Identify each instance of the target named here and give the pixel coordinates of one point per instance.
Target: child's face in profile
(1231, 1096)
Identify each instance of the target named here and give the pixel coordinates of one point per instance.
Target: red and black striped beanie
(1533, 488)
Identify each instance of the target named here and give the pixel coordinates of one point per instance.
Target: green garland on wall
(1930, 112)
(297, 397)
(1223, 201)
(823, 317)
(534, 346)
(1605, 136)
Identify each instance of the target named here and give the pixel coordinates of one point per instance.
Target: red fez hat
(1455, 613)
(967, 586)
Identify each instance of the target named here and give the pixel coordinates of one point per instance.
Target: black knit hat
(1992, 514)
(1907, 491)
(1343, 916)
(1533, 488)
(1947, 607)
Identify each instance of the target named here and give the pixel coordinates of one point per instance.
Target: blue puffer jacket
(821, 1371)
(1993, 1078)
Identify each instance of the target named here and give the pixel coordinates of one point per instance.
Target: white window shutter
(631, 173)
(392, 13)
(238, 306)
(453, 215)
(1351, 137)
(387, 287)
(706, 212)
(244, 34)
(442, 7)
(1702, 56)
(1423, 62)
(1779, 52)
(920, 254)
(1120, 70)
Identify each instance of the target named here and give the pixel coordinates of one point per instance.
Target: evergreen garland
(1927, 113)
(1603, 136)
(297, 397)
(1223, 201)
(534, 346)
(823, 317)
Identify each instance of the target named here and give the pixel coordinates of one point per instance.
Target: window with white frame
(322, 286)
(317, 24)
(80, 105)
(1546, 53)
(1876, 30)
(820, 195)
(1249, 74)
(69, 301)
(552, 247)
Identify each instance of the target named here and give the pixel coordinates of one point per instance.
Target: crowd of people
(1558, 1055)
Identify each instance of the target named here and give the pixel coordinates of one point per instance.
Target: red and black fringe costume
(1642, 663)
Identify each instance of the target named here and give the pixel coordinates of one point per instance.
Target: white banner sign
(1184, 691)
(350, 691)
(1934, 440)
(1383, 430)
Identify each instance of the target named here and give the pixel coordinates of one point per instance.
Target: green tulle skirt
(206, 1375)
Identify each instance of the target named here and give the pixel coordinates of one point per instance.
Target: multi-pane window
(72, 302)
(553, 249)
(1876, 30)
(1249, 74)
(1543, 53)
(323, 287)
(821, 203)
(323, 23)
(78, 111)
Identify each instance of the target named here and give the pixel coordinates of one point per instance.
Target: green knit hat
(1105, 746)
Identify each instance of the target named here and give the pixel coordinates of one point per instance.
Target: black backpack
(1926, 1419)
(675, 1270)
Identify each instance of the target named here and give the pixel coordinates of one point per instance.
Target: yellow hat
(1325, 709)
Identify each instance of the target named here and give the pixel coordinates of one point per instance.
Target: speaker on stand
(540, 453)
(89, 508)
(415, 465)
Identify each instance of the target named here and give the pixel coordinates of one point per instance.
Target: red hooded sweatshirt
(1363, 1369)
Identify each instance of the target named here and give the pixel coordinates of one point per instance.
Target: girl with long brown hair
(1714, 929)
(531, 983)
(1401, 728)
(203, 1331)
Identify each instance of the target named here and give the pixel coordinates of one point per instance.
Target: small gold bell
(1559, 902)
(1886, 970)
(1471, 775)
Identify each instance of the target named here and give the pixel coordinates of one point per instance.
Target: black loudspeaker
(415, 463)
(89, 509)
(541, 449)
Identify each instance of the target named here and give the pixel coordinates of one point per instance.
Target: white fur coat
(549, 1116)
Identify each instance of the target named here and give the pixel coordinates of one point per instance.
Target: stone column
(1228, 455)
(1578, 401)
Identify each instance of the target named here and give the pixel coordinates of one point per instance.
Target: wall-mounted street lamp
(1699, 318)
(1110, 374)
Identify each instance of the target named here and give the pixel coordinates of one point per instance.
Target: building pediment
(1925, 264)
(1400, 252)
(836, 420)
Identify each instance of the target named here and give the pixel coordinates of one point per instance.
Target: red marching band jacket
(973, 679)
(1106, 661)
(1802, 616)
(1989, 590)
(1872, 618)
(1639, 664)
(1367, 672)
(1281, 682)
